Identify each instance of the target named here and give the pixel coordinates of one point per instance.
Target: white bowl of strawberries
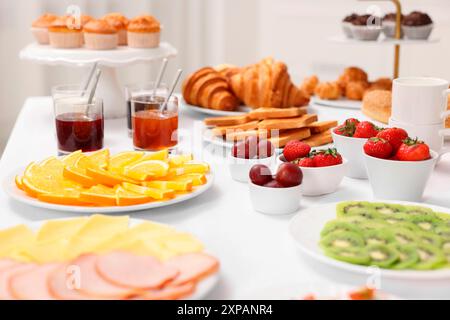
(246, 154)
(323, 170)
(349, 138)
(275, 194)
(398, 167)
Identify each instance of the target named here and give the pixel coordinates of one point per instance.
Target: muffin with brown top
(365, 28)
(120, 23)
(63, 33)
(39, 27)
(417, 25)
(347, 22)
(144, 32)
(100, 35)
(390, 23)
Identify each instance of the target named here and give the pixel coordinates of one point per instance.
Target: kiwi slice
(442, 231)
(407, 256)
(430, 238)
(350, 255)
(387, 209)
(426, 223)
(339, 225)
(404, 236)
(382, 255)
(429, 257)
(353, 208)
(418, 211)
(445, 217)
(342, 240)
(407, 225)
(373, 224)
(378, 236)
(396, 218)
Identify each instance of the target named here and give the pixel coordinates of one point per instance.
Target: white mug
(420, 100)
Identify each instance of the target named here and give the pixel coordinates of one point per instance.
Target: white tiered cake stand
(109, 88)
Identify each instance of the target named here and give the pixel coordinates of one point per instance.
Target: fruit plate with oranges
(104, 183)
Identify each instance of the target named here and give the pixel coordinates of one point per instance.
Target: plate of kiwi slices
(404, 240)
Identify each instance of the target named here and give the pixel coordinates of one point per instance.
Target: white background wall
(218, 31)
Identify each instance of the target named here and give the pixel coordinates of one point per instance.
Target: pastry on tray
(120, 23)
(100, 35)
(309, 84)
(144, 31)
(355, 90)
(417, 25)
(267, 84)
(207, 88)
(351, 74)
(346, 24)
(377, 105)
(363, 28)
(328, 90)
(390, 23)
(39, 27)
(63, 33)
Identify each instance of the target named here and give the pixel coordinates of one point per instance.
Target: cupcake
(363, 30)
(143, 32)
(346, 24)
(389, 23)
(120, 23)
(100, 35)
(417, 25)
(39, 27)
(63, 34)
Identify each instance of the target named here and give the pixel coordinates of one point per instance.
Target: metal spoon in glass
(172, 88)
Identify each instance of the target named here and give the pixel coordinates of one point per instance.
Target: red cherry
(251, 146)
(265, 149)
(273, 184)
(239, 150)
(289, 175)
(260, 174)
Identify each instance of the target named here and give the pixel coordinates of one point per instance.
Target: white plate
(11, 189)
(342, 39)
(201, 291)
(212, 112)
(340, 103)
(305, 230)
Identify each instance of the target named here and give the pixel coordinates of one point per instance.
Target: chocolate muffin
(363, 29)
(417, 25)
(389, 24)
(351, 17)
(347, 22)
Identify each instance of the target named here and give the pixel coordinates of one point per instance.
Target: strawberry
(394, 136)
(295, 149)
(378, 148)
(365, 129)
(413, 150)
(326, 158)
(347, 128)
(305, 162)
(365, 293)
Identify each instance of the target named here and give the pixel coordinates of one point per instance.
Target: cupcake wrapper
(419, 32)
(66, 39)
(346, 27)
(143, 40)
(98, 41)
(364, 33)
(41, 35)
(389, 30)
(123, 37)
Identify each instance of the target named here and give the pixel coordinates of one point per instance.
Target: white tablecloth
(254, 249)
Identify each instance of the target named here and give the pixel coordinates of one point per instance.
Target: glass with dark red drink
(79, 124)
(155, 125)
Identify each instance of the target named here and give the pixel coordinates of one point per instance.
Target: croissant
(267, 84)
(207, 88)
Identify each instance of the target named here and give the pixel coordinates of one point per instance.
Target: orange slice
(72, 158)
(197, 179)
(66, 198)
(154, 193)
(128, 198)
(185, 185)
(147, 169)
(105, 177)
(120, 160)
(34, 188)
(161, 155)
(188, 168)
(18, 181)
(79, 175)
(101, 196)
(180, 159)
(100, 158)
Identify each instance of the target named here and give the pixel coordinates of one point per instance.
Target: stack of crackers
(277, 125)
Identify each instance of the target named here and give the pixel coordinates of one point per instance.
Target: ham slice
(92, 284)
(6, 274)
(139, 272)
(60, 286)
(169, 292)
(32, 284)
(6, 263)
(192, 267)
